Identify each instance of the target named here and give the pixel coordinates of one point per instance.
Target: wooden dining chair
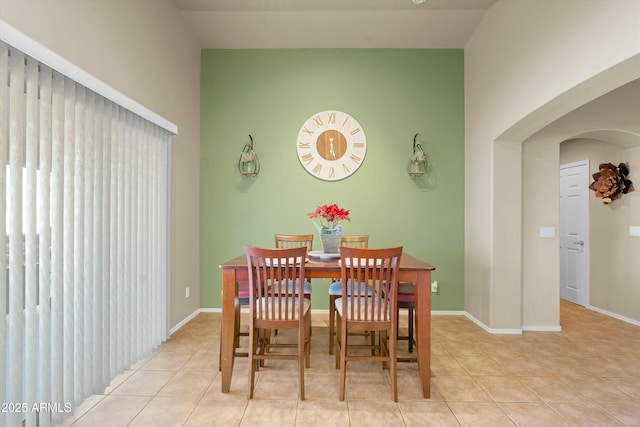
(242, 290)
(275, 305)
(407, 300)
(373, 311)
(335, 289)
(294, 241)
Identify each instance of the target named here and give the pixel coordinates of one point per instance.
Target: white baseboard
(614, 315)
(323, 311)
(436, 313)
(542, 328)
(492, 330)
(184, 321)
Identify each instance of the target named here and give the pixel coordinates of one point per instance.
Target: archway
(540, 159)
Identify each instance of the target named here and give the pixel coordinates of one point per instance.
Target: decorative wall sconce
(249, 165)
(418, 160)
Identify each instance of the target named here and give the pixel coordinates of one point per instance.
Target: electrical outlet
(187, 293)
(434, 286)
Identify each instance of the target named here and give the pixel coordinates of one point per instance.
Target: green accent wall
(393, 94)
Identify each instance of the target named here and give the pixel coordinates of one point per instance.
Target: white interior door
(574, 232)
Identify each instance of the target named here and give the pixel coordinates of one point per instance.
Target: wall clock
(331, 145)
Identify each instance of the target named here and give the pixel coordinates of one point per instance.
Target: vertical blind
(84, 196)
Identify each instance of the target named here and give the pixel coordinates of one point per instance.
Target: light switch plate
(547, 232)
(634, 230)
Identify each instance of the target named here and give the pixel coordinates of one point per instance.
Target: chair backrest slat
(355, 240)
(276, 277)
(294, 240)
(372, 277)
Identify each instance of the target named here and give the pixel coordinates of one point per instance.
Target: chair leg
(398, 323)
(338, 340)
(332, 321)
(264, 340)
(372, 341)
(342, 346)
(253, 341)
(393, 364)
(307, 342)
(410, 327)
(398, 319)
(236, 328)
(384, 347)
(308, 296)
(302, 338)
(410, 330)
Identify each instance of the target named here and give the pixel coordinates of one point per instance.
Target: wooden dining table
(411, 270)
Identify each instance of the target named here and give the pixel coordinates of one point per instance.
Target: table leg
(228, 326)
(423, 330)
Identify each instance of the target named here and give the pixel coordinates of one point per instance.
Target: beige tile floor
(586, 375)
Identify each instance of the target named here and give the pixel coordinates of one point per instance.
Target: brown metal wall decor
(611, 182)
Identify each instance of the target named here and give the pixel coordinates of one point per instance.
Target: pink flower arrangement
(330, 215)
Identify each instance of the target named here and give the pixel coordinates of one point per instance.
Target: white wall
(540, 256)
(612, 117)
(142, 49)
(615, 277)
(529, 63)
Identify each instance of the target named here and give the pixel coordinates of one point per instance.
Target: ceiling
(263, 24)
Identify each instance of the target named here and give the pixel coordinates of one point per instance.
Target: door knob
(581, 243)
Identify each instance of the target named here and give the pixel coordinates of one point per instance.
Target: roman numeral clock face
(331, 145)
